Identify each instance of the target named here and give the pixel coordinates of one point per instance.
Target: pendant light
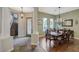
(22, 13)
(59, 18)
(59, 15)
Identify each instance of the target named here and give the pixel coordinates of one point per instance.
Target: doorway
(28, 26)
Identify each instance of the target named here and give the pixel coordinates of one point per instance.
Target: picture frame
(67, 23)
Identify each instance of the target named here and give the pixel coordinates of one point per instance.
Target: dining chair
(47, 36)
(63, 37)
(50, 38)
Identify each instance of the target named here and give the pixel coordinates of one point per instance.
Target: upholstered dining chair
(63, 37)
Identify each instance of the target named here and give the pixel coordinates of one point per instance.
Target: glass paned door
(29, 26)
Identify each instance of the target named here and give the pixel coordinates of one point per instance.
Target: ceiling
(49, 10)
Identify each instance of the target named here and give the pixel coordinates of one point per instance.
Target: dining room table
(60, 37)
(55, 35)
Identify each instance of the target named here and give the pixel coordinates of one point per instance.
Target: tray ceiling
(49, 10)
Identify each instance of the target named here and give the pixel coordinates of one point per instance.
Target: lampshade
(21, 13)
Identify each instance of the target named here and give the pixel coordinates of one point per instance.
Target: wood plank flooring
(73, 46)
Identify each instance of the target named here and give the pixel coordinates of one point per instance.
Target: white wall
(6, 43)
(5, 22)
(0, 20)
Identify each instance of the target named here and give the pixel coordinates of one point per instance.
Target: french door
(28, 26)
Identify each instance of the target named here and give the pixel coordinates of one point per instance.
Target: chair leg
(67, 42)
(55, 43)
(46, 40)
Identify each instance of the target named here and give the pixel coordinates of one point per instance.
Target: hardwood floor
(73, 46)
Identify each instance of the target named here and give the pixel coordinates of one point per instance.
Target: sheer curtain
(48, 23)
(51, 23)
(45, 24)
(58, 23)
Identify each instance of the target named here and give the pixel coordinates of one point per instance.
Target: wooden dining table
(60, 36)
(55, 35)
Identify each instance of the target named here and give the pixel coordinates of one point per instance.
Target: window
(29, 26)
(51, 23)
(45, 24)
(59, 23)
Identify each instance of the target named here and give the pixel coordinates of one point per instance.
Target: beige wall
(75, 16)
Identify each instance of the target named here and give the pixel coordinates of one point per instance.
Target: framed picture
(68, 23)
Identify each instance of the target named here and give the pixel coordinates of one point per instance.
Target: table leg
(50, 43)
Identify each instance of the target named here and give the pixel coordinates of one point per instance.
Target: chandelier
(59, 17)
(59, 12)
